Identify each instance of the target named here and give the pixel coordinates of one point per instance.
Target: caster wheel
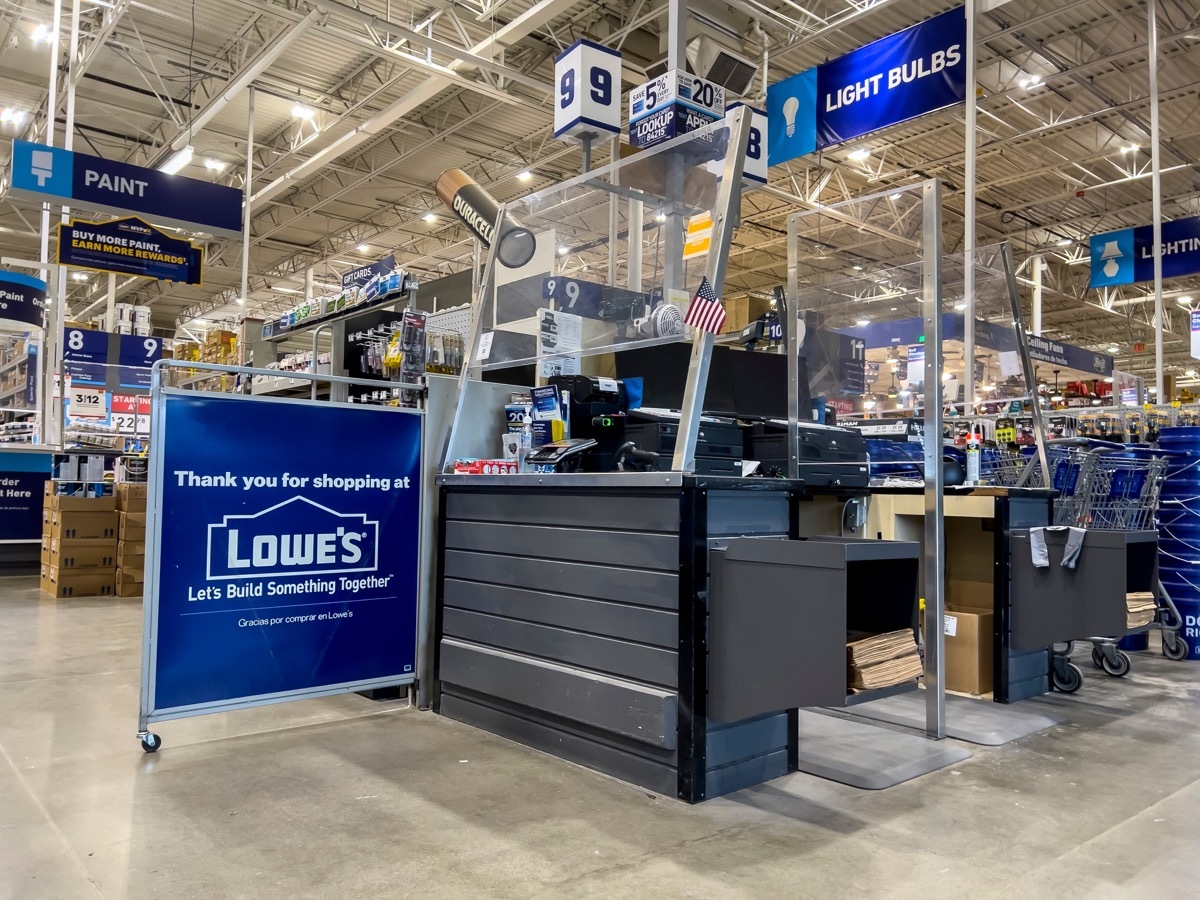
(1069, 680)
(151, 743)
(1097, 658)
(1118, 667)
(1174, 648)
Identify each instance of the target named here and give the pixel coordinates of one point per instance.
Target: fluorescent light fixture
(285, 290)
(80, 276)
(241, 301)
(524, 175)
(1129, 148)
(1065, 242)
(300, 111)
(895, 196)
(1190, 373)
(40, 33)
(177, 160)
(562, 250)
(363, 248)
(857, 268)
(1030, 81)
(862, 154)
(1114, 349)
(429, 217)
(960, 305)
(863, 322)
(1184, 301)
(12, 117)
(660, 217)
(214, 165)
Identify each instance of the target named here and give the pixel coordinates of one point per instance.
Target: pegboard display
(457, 319)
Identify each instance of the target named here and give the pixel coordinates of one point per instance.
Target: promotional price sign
(672, 104)
(294, 571)
(129, 247)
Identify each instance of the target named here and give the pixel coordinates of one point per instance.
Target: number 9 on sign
(588, 80)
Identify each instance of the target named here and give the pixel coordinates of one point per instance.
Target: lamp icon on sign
(791, 106)
(1111, 254)
(42, 166)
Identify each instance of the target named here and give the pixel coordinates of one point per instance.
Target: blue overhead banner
(44, 173)
(357, 278)
(296, 568)
(1127, 256)
(896, 78)
(22, 299)
(130, 247)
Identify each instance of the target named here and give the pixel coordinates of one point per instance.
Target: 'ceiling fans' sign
(1127, 256)
(130, 247)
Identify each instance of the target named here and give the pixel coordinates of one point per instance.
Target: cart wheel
(1069, 680)
(151, 742)
(1173, 647)
(1097, 657)
(1118, 666)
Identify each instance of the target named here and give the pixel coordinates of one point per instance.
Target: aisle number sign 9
(587, 80)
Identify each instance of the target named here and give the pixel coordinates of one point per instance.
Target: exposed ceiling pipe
(505, 36)
(255, 67)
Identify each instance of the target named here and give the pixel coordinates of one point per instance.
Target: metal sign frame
(160, 395)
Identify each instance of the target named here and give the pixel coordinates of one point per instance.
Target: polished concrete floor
(343, 797)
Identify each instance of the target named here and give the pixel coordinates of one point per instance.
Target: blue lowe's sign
(44, 173)
(296, 537)
(130, 247)
(1127, 256)
(282, 570)
(897, 78)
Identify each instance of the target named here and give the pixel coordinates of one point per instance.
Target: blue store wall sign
(44, 173)
(296, 565)
(22, 483)
(1127, 256)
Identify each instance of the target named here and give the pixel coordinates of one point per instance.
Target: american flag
(706, 311)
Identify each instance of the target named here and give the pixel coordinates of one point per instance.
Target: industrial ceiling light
(858, 268)
(177, 160)
(895, 196)
(1065, 242)
(1190, 373)
(1129, 148)
(524, 175)
(1030, 81)
(660, 217)
(1114, 349)
(300, 111)
(862, 154)
(284, 290)
(363, 248)
(80, 276)
(960, 305)
(863, 322)
(562, 250)
(40, 33)
(429, 217)
(14, 117)
(1184, 301)
(214, 165)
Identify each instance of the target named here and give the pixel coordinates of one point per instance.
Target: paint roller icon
(42, 166)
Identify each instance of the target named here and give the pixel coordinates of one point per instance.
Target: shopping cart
(1115, 488)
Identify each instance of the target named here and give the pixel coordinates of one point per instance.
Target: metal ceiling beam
(531, 20)
(262, 60)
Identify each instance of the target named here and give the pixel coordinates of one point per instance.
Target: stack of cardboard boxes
(131, 548)
(79, 545)
(219, 347)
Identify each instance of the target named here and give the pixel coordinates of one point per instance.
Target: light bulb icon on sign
(791, 106)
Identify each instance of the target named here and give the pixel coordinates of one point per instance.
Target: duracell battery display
(478, 210)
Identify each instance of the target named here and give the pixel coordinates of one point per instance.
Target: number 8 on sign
(588, 77)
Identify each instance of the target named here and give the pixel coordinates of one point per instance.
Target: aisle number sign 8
(588, 92)
(755, 170)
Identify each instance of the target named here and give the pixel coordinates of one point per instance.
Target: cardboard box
(133, 526)
(133, 562)
(82, 583)
(127, 586)
(83, 554)
(132, 497)
(74, 503)
(968, 634)
(69, 525)
(737, 315)
(130, 550)
(133, 573)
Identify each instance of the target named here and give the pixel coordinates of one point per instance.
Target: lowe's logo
(296, 537)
